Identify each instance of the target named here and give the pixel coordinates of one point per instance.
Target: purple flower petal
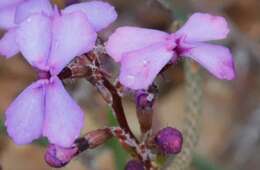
(215, 58)
(30, 7)
(126, 39)
(7, 17)
(100, 14)
(64, 118)
(204, 27)
(34, 39)
(139, 68)
(7, 3)
(72, 36)
(8, 46)
(24, 117)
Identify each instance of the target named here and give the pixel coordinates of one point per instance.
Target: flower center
(178, 40)
(44, 74)
(178, 49)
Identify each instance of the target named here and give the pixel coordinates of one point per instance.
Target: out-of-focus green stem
(119, 153)
(2, 127)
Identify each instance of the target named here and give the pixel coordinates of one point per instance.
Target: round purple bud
(134, 165)
(58, 157)
(169, 140)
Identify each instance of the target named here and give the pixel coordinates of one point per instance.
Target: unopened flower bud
(58, 157)
(144, 109)
(169, 140)
(134, 165)
(93, 139)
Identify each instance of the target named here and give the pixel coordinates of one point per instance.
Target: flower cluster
(60, 44)
(49, 39)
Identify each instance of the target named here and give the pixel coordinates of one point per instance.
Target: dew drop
(29, 20)
(130, 79)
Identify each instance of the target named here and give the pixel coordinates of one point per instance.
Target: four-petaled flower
(144, 52)
(49, 40)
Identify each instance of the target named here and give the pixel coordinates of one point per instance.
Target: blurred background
(230, 126)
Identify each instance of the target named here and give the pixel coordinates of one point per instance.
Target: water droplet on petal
(29, 20)
(130, 79)
(145, 62)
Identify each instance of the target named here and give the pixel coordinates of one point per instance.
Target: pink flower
(13, 12)
(144, 52)
(49, 41)
(8, 45)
